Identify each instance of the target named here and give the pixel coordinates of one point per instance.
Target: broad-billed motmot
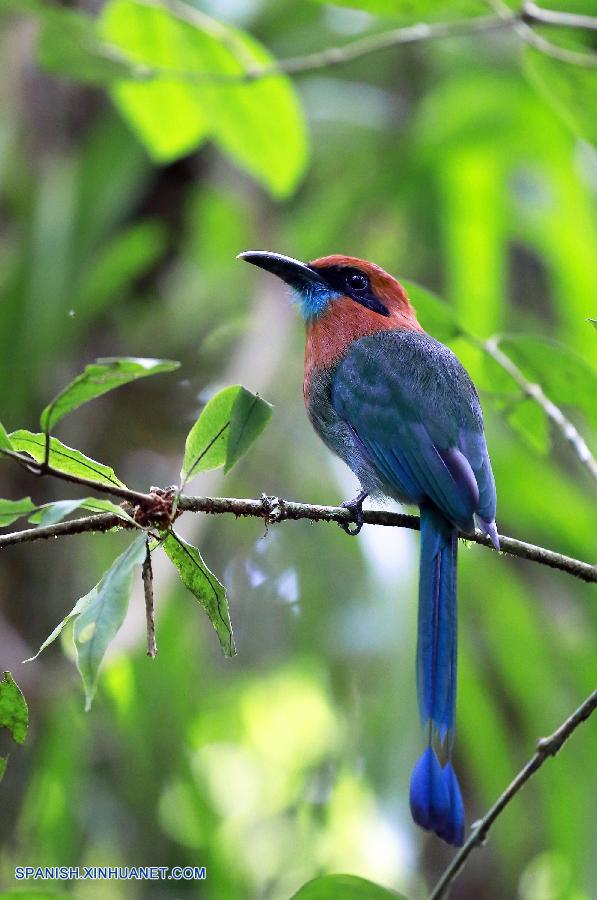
(403, 414)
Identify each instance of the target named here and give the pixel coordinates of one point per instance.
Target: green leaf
(343, 887)
(5, 443)
(69, 45)
(258, 124)
(64, 459)
(14, 714)
(98, 622)
(50, 513)
(3, 764)
(250, 414)
(11, 510)
(434, 314)
(530, 421)
(415, 10)
(566, 378)
(228, 425)
(204, 585)
(79, 607)
(592, 322)
(570, 90)
(97, 379)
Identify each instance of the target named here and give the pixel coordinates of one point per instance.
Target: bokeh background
(121, 213)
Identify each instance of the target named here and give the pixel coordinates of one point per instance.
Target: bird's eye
(357, 281)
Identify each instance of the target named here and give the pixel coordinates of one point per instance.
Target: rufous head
(337, 283)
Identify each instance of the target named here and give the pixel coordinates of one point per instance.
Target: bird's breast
(330, 335)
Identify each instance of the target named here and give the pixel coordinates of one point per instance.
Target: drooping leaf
(566, 378)
(69, 45)
(344, 887)
(250, 414)
(569, 89)
(258, 124)
(97, 379)
(227, 426)
(204, 585)
(11, 510)
(436, 316)
(79, 607)
(99, 621)
(5, 443)
(14, 714)
(50, 513)
(64, 459)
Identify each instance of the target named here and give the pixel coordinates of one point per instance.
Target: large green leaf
(226, 428)
(104, 610)
(259, 124)
(204, 585)
(14, 714)
(564, 376)
(11, 510)
(434, 314)
(64, 459)
(570, 90)
(343, 887)
(99, 378)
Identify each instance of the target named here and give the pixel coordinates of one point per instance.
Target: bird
(401, 411)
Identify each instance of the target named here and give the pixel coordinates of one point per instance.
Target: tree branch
(545, 747)
(553, 412)
(518, 20)
(274, 509)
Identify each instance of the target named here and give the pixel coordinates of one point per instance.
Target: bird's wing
(416, 413)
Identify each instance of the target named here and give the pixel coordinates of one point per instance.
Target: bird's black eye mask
(355, 284)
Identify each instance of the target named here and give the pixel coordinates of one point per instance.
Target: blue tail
(435, 798)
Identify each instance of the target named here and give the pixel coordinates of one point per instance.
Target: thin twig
(536, 15)
(331, 56)
(553, 412)
(147, 576)
(545, 747)
(520, 21)
(273, 509)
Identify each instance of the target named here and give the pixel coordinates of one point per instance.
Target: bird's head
(339, 282)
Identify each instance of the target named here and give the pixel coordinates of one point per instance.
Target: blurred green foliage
(464, 165)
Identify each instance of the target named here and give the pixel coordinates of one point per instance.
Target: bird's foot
(355, 508)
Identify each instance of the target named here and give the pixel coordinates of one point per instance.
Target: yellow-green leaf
(196, 91)
(344, 887)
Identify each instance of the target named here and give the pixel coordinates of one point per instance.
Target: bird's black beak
(296, 274)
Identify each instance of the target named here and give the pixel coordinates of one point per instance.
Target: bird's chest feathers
(330, 335)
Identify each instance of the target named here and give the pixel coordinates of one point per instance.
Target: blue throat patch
(313, 300)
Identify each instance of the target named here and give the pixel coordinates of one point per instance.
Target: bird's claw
(355, 507)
